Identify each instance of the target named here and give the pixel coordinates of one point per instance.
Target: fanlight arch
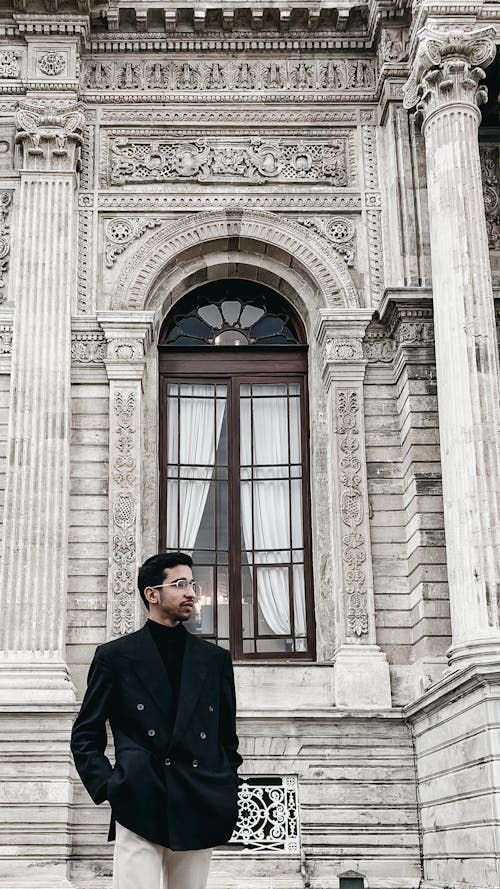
(281, 253)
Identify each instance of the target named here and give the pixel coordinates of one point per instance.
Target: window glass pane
(172, 541)
(274, 601)
(231, 310)
(250, 315)
(247, 602)
(211, 315)
(173, 430)
(222, 516)
(245, 432)
(296, 514)
(299, 607)
(202, 619)
(295, 431)
(223, 603)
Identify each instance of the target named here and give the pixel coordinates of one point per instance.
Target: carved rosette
(448, 68)
(51, 136)
(122, 231)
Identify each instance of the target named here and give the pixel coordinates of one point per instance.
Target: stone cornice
(452, 686)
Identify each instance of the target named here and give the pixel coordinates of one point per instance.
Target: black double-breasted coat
(175, 776)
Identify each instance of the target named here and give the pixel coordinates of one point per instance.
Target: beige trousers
(139, 864)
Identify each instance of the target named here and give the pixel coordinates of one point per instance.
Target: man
(169, 698)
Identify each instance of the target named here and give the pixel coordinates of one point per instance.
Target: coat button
(140, 706)
(168, 762)
(195, 763)
(210, 708)
(151, 732)
(203, 736)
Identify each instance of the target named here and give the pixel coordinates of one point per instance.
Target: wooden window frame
(235, 366)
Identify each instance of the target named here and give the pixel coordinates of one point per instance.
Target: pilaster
(361, 675)
(128, 337)
(445, 87)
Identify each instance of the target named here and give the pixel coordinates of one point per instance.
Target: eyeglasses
(181, 585)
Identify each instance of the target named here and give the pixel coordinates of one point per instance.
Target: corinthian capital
(50, 136)
(448, 68)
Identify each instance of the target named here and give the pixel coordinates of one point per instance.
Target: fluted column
(33, 571)
(444, 86)
(361, 674)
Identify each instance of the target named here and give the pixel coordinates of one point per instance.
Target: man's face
(170, 604)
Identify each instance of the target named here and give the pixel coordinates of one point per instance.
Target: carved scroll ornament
(51, 136)
(447, 69)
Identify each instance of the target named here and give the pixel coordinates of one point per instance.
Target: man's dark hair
(151, 572)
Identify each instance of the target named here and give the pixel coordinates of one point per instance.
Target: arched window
(234, 486)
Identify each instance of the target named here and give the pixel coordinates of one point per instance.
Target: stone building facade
(345, 160)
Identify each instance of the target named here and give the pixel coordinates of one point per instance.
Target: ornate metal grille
(268, 814)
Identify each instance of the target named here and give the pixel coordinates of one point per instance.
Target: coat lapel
(193, 675)
(150, 669)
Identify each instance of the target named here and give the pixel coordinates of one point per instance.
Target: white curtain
(275, 514)
(193, 435)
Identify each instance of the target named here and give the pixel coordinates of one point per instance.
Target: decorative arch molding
(239, 234)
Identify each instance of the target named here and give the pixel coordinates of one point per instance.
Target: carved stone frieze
(370, 160)
(50, 135)
(166, 116)
(408, 324)
(333, 76)
(375, 256)
(339, 232)
(235, 160)
(342, 349)
(122, 231)
(354, 545)
(447, 69)
(88, 347)
(5, 339)
(125, 349)
(84, 285)
(284, 202)
(5, 205)
(490, 170)
(393, 45)
(379, 348)
(10, 68)
(87, 159)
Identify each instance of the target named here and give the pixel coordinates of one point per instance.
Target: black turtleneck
(171, 642)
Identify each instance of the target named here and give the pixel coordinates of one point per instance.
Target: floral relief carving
(490, 169)
(5, 205)
(354, 546)
(88, 348)
(52, 63)
(255, 161)
(50, 135)
(336, 75)
(5, 339)
(339, 232)
(10, 67)
(123, 513)
(122, 231)
(342, 349)
(447, 69)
